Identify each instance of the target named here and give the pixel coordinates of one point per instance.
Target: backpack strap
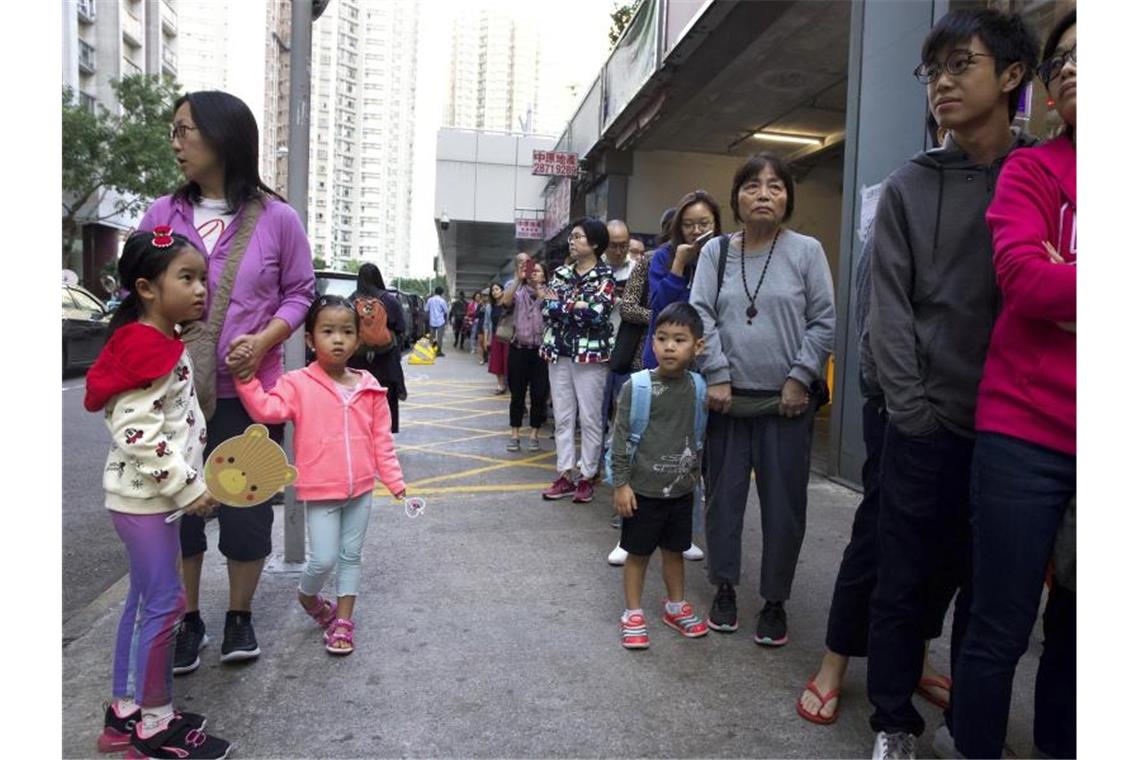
(721, 264)
(700, 413)
(641, 396)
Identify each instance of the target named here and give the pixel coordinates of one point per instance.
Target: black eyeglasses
(1051, 69)
(955, 65)
(180, 130)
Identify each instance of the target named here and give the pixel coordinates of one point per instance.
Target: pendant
(751, 312)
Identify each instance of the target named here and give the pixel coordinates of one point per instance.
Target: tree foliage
(620, 17)
(125, 154)
(319, 263)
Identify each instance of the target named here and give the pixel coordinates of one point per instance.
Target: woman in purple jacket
(672, 266)
(215, 141)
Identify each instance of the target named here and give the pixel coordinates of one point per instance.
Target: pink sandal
(340, 630)
(323, 613)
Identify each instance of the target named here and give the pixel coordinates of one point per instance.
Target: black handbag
(625, 347)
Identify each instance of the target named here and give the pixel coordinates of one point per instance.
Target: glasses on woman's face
(699, 225)
(1051, 69)
(955, 64)
(180, 131)
(575, 236)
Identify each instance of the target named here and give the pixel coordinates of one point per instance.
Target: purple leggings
(144, 647)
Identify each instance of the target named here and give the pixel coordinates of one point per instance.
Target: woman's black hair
(751, 169)
(1006, 35)
(369, 280)
(666, 223)
(597, 234)
(142, 260)
(1054, 39)
(676, 233)
(228, 128)
(682, 313)
(329, 302)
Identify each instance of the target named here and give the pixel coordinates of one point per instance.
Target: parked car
(85, 320)
(344, 284)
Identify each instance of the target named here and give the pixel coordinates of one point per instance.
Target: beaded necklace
(751, 311)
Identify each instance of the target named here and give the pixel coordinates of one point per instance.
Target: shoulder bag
(201, 336)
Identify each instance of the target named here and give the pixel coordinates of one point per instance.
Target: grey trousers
(779, 450)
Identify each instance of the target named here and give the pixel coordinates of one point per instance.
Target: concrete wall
(485, 176)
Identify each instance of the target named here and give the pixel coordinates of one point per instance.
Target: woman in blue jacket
(673, 264)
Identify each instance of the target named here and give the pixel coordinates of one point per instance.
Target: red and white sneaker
(560, 489)
(634, 634)
(584, 493)
(686, 622)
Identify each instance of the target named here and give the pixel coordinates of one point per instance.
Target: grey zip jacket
(934, 296)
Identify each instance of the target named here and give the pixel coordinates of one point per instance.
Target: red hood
(136, 355)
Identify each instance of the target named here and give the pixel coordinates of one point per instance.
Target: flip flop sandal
(340, 630)
(941, 682)
(323, 613)
(823, 700)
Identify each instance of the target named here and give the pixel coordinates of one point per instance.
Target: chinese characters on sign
(547, 163)
(528, 229)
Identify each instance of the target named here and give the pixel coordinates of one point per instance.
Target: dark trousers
(525, 368)
(778, 449)
(850, 617)
(924, 534)
(1019, 492)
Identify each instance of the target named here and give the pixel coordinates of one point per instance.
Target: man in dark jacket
(934, 300)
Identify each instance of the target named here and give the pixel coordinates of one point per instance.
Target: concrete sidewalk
(488, 627)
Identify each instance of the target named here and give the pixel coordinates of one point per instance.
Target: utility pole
(304, 13)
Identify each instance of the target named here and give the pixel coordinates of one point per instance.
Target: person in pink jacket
(343, 442)
(1025, 459)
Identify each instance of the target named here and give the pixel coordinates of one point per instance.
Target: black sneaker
(181, 739)
(722, 615)
(117, 731)
(239, 641)
(772, 625)
(190, 640)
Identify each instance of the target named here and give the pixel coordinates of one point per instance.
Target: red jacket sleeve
(1022, 216)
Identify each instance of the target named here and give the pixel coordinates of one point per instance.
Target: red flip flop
(823, 700)
(923, 690)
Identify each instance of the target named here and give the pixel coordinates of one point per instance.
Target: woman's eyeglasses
(180, 130)
(700, 224)
(1051, 69)
(575, 236)
(955, 65)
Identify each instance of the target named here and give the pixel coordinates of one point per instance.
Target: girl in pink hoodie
(1025, 459)
(343, 442)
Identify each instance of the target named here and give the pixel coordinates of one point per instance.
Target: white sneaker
(943, 744)
(617, 556)
(895, 746)
(694, 553)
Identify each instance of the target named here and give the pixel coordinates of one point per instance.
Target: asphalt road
(93, 557)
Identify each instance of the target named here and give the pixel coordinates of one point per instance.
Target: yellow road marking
(463, 455)
(480, 470)
(504, 488)
(449, 426)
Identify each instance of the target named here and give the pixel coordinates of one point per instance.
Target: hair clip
(163, 236)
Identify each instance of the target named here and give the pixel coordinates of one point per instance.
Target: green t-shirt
(667, 464)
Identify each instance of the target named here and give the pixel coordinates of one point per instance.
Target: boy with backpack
(654, 466)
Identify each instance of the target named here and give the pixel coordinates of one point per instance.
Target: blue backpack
(641, 389)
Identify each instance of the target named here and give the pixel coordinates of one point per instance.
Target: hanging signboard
(528, 229)
(552, 163)
(557, 209)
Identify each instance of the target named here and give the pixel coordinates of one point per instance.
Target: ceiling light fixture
(785, 138)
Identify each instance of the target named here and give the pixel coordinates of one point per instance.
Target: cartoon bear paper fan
(248, 469)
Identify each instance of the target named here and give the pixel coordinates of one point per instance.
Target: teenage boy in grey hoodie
(934, 300)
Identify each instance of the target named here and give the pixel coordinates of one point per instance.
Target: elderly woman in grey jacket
(766, 299)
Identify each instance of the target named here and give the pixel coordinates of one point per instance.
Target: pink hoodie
(1029, 385)
(341, 446)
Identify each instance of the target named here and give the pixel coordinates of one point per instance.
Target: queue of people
(708, 358)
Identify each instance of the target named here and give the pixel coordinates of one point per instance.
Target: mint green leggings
(336, 537)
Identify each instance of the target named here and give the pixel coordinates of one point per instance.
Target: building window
(86, 57)
(87, 101)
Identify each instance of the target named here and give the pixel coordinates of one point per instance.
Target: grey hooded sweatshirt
(934, 296)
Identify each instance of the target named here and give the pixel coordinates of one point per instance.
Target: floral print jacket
(585, 336)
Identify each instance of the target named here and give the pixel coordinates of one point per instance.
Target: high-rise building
(362, 126)
(203, 37)
(496, 80)
(102, 42)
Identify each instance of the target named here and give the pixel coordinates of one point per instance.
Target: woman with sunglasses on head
(1025, 458)
(576, 345)
(226, 211)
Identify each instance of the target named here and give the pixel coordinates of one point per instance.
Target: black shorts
(665, 523)
(245, 534)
